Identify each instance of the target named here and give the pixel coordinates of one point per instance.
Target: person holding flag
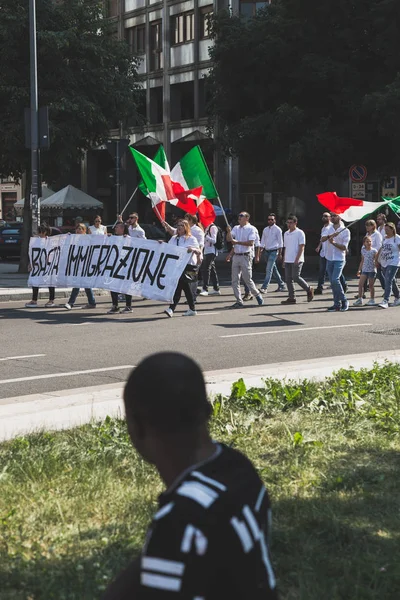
(338, 237)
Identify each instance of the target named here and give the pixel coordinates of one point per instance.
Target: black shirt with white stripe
(208, 540)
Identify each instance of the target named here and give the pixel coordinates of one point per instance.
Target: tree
(87, 78)
(308, 88)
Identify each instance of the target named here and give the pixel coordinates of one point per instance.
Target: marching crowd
(380, 260)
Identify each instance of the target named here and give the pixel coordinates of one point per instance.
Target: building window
(206, 14)
(155, 45)
(249, 8)
(182, 28)
(136, 39)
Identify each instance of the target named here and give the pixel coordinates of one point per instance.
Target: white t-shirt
(100, 230)
(390, 252)
(186, 242)
(271, 238)
(376, 239)
(333, 253)
(369, 260)
(198, 233)
(324, 232)
(291, 242)
(245, 233)
(136, 232)
(210, 239)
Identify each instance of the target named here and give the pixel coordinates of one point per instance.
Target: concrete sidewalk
(69, 408)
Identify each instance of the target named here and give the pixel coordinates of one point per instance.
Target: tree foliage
(309, 88)
(86, 77)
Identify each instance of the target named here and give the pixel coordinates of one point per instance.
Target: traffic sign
(358, 173)
(389, 187)
(358, 190)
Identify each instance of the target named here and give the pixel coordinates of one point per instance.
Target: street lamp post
(34, 120)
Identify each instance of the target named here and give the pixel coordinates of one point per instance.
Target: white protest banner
(117, 263)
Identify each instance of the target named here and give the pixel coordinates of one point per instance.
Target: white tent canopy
(71, 197)
(46, 193)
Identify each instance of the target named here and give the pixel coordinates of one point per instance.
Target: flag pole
(223, 211)
(126, 205)
(157, 213)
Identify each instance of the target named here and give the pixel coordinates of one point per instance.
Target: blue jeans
(322, 272)
(271, 269)
(74, 295)
(389, 273)
(334, 269)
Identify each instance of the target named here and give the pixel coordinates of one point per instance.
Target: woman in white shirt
(184, 239)
(389, 259)
(97, 228)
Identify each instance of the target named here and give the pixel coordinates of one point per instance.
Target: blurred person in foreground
(209, 538)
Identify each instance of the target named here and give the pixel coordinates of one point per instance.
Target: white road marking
(79, 324)
(294, 330)
(51, 375)
(17, 357)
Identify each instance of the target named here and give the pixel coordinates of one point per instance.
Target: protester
(255, 253)
(242, 237)
(367, 271)
(134, 228)
(376, 243)
(271, 244)
(338, 237)
(81, 230)
(381, 221)
(43, 232)
(294, 242)
(209, 538)
(184, 239)
(208, 268)
(119, 230)
(389, 259)
(97, 228)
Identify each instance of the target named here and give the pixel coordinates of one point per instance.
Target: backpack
(219, 243)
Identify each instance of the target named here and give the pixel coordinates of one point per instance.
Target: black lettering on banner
(35, 261)
(89, 260)
(122, 262)
(92, 267)
(111, 267)
(72, 259)
(161, 273)
(147, 273)
(103, 257)
(80, 265)
(53, 260)
(136, 276)
(128, 275)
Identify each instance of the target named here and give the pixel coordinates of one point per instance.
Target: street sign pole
(34, 119)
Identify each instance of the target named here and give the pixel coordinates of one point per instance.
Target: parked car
(10, 240)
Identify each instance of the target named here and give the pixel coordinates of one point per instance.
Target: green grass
(74, 505)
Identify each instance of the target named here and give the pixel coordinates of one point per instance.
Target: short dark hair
(167, 391)
(44, 229)
(272, 215)
(293, 218)
(126, 229)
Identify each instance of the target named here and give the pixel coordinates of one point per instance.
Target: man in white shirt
(134, 228)
(338, 237)
(208, 265)
(294, 242)
(242, 237)
(381, 221)
(272, 244)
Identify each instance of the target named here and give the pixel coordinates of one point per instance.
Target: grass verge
(74, 505)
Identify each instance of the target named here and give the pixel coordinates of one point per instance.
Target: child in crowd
(367, 271)
(43, 232)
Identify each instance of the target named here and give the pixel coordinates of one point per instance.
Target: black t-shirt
(208, 540)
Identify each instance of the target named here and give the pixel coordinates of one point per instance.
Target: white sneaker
(50, 304)
(203, 293)
(68, 306)
(371, 302)
(31, 304)
(214, 293)
(263, 290)
(358, 302)
(384, 304)
(396, 302)
(190, 313)
(169, 312)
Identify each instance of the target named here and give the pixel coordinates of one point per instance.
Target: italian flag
(192, 172)
(157, 184)
(351, 209)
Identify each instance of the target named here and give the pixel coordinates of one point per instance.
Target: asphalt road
(53, 349)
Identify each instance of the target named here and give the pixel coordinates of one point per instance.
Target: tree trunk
(27, 228)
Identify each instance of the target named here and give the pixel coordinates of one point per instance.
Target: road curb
(73, 407)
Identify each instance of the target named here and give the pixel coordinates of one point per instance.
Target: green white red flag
(351, 209)
(192, 172)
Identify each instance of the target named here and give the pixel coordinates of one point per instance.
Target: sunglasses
(241, 215)
(270, 219)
